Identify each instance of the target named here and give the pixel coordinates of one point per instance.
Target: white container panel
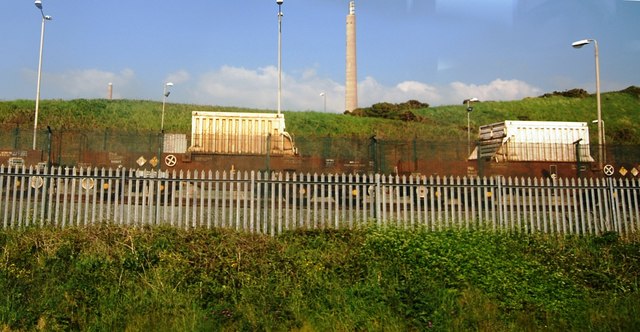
(549, 141)
(236, 133)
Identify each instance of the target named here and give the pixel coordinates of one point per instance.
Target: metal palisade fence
(270, 203)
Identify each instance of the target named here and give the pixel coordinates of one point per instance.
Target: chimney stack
(351, 84)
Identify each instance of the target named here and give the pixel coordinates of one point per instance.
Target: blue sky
(225, 52)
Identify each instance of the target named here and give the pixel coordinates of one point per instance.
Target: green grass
(114, 278)
(620, 112)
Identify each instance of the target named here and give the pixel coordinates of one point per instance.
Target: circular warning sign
(170, 160)
(87, 183)
(36, 182)
(608, 170)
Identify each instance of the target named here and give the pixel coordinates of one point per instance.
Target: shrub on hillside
(412, 105)
(385, 110)
(632, 90)
(573, 93)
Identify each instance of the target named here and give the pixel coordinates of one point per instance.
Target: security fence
(271, 203)
(110, 148)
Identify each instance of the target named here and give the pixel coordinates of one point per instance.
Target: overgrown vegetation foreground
(114, 278)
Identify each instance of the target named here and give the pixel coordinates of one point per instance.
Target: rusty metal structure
(280, 151)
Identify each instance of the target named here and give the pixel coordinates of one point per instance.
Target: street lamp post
(279, 2)
(604, 139)
(469, 110)
(578, 44)
(45, 18)
(324, 96)
(165, 93)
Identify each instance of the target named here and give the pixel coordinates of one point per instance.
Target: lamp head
(38, 4)
(580, 43)
(279, 2)
(166, 90)
(48, 18)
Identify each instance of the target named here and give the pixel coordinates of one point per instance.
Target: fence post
(377, 197)
(254, 197)
(614, 205)
(500, 204)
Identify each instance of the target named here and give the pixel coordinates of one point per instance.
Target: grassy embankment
(106, 278)
(162, 279)
(620, 112)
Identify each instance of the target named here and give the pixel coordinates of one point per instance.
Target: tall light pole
(279, 2)
(604, 138)
(324, 96)
(165, 93)
(469, 110)
(45, 18)
(578, 44)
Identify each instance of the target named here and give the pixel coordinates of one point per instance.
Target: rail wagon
(534, 149)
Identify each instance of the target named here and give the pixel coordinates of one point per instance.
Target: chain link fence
(380, 155)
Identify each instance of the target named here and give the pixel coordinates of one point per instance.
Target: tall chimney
(351, 84)
(110, 91)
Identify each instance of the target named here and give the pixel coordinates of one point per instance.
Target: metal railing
(270, 203)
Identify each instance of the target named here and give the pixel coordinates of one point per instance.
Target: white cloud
(496, 90)
(236, 86)
(257, 88)
(88, 83)
(371, 92)
(444, 64)
(178, 77)
(233, 86)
